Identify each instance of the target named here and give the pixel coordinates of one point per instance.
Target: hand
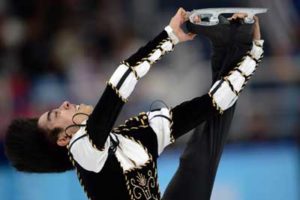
(256, 30)
(176, 22)
(236, 16)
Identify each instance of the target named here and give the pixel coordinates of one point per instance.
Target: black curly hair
(32, 149)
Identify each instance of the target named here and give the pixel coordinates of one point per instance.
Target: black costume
(120, 163)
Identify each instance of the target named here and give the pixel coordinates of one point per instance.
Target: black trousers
(196, 173)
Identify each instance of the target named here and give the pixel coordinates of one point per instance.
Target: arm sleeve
(190, 114)
(121, 85)
(221, 96)
(168, 124)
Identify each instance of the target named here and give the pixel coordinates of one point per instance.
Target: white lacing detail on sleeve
(224, 92)
(125, 78)
(172, 35)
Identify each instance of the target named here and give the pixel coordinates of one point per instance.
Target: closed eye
(56, 114)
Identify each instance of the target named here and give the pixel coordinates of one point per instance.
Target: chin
(87, 109)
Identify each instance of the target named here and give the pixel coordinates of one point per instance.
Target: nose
(65, 105)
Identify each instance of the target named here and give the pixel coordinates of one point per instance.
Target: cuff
(259, 43)
(172, 35)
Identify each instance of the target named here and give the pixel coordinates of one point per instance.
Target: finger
(238, 16)
(186, 16)
(196, 19)
(192, 36)
(183, 15)
(241, 15)
(233, 17)
(180, 12)
(256, 19)
(189, 36)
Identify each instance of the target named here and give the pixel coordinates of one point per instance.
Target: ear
(63, 140)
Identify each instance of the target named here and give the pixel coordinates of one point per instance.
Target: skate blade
(210, 16)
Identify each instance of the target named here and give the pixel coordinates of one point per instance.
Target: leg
(198, 164)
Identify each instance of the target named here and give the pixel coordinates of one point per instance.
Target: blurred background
(56, 50)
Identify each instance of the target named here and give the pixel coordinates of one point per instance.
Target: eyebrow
(49, 114)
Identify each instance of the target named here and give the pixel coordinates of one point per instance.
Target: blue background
(261, 171)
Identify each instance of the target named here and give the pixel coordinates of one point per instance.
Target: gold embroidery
(142, 186)
(139, 187)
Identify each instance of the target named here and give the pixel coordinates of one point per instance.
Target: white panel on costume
(171, 34)
(161, 127)
(142, 69)
(233, 101)
(118, 74)
(224, 96)
(257, 51)
(128, 151)
(237, 80)
(87, 156)
(155, 56)
(248, 66)
(167, 46)
(128, 85)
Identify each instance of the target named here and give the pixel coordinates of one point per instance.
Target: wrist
(172, 35)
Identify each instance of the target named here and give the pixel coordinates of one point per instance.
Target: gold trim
(78, 174)
(219, 109)
(140, 167)
(140, 118)
(172, 138)
(117, 92)
(231, 86)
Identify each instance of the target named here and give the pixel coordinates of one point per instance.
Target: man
(121, 163)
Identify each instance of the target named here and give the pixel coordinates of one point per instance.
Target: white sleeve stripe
(155, 56)
(142, 68)
(248, 66)
(128, 86)
(118, 74)
(125, 75)
(171, 34)
(231, 86)
(236, 81)
(224, 92)
(257, 50)
(216, 86)
(224, 96)
(167, 46)
(124, 81)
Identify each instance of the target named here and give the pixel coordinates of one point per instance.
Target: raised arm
(169, 124)
(123, 81)
(223, 94)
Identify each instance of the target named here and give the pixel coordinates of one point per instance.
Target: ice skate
(211, 23)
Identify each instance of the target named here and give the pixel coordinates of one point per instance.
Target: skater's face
(62, 118)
